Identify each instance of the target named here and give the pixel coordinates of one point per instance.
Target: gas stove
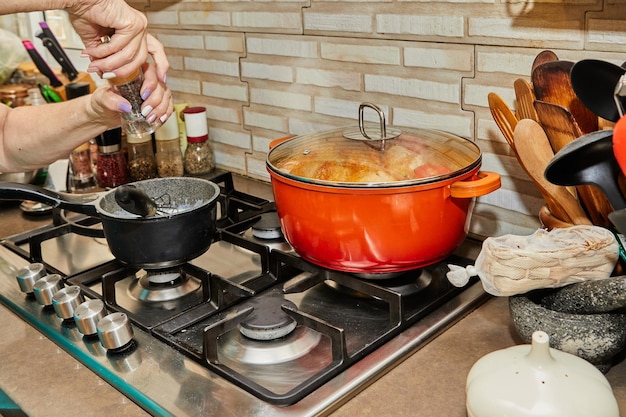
(248, 326)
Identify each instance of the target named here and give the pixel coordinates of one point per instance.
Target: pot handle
(79, 203)
(280, 140)
(487, 182)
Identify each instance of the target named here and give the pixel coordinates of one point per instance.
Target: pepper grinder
(134, 122)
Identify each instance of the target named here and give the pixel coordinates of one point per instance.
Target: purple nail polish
(125, 107)
(165, 79)
(145, 94)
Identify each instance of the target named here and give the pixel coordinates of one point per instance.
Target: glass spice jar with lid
(198, 155)
(112, 169)
(141, 159)
(169, 158)
(81, 176)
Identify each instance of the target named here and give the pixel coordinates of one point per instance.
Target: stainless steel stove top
(335, 334)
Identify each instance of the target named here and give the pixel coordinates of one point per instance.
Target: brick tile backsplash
(267, 69)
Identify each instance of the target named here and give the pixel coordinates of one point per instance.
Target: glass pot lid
(374, 155)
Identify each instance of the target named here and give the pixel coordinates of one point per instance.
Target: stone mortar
(597, 338)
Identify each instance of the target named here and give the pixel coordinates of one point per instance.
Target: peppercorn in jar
(112, 169)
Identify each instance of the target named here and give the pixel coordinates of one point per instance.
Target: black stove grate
(352, 316)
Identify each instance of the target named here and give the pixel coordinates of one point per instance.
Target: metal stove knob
(27, 276)
(66, 300)
(87, 315)
(45, 288)
(115, 331)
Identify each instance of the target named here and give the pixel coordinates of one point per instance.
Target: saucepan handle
(79, 203)
(486, 182)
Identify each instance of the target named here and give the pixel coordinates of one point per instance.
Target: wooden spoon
(551, 82)
(504, 117)
(561, 128)
(525, 98)
(534, 153)
(558, 122)
(542, 57)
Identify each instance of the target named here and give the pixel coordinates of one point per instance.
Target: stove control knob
(45, 288)
(115, 332)
(87, 315)
(66, 300)
(27, 276)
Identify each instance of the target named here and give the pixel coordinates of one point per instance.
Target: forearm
(31, 138)
(19, 6)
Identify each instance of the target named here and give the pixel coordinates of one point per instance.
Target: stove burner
(239, 349)
(162, 285)
(268, 227)
(406, 284)
(268, 321)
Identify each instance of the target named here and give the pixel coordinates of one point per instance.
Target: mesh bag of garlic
(510, 264)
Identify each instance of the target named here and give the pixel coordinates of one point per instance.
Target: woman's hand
(127, 28)
(158, 102)
(106, 104)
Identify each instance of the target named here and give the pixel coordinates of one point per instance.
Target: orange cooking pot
(400, 201)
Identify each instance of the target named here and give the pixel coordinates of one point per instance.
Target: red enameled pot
(376, 227)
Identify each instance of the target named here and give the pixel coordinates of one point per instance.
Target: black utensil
(588, 160)
(135, 201)
(594, 83)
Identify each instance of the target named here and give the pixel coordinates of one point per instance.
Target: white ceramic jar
(536, 380)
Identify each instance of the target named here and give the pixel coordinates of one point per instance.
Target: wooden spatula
(525, 97)
(503, 116)
(534, 153)
(558, 122)
(551, 82)
(561, 128)
(542, 57)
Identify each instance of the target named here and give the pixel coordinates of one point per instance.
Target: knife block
(83, 77)
(29, 67)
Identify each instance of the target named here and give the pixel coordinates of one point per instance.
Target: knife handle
(50, 41)
(41, 64)
(61, 58)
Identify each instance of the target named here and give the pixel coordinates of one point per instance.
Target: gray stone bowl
(597, 338)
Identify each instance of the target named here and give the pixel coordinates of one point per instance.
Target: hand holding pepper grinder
(134, 122)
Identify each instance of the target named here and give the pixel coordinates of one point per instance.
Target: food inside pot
(410, 156)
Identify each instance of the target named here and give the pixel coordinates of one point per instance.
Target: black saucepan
(182, 229)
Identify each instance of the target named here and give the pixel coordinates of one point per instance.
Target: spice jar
(133, 122)
(169, 158)
(13, 95)
(112, 168)
(81, 176)
(198, 155)
(141, 160)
